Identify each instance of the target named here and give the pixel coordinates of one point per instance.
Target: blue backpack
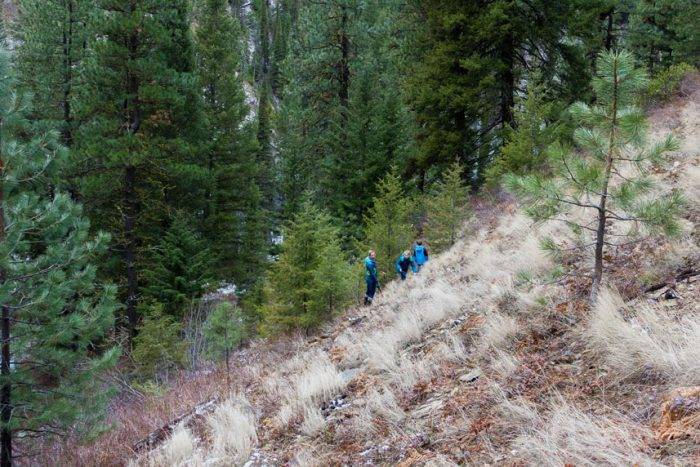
(420, 255)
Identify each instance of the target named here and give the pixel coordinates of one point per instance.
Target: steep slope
(479, 359)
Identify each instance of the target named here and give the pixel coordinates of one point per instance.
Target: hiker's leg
(371, 289)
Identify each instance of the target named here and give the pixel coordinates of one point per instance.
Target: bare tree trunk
(6, 390)
(67, 132)
(132, 111)
(132, 288)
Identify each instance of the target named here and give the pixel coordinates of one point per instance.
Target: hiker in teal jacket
(371, 278)
(403, 263)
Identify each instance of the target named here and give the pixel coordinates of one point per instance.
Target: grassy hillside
(479, 359)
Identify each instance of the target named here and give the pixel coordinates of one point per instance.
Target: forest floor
(479, 359)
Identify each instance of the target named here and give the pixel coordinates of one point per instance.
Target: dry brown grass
(644, 341)
(567, 435)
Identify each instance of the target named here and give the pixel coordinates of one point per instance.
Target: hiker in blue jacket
(403, 263)
(371, 276)
(420, 254)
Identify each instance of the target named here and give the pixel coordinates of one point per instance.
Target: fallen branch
(685, 274)
(158, 436)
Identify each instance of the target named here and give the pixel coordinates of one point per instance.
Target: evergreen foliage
(342, 123)
(52, 37)
(666, 83)
(311, 280)
(234, 223)
(468, 60)
(612, 134)
(446, 209)
(180, 268)
(224, 331)
(537, 127)
(158, 347)
(388, 227)
(137, 146)
(54, 311)
(662, 33)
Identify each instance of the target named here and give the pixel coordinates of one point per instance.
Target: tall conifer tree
(143, 107)
(53, 310)
(234, 223)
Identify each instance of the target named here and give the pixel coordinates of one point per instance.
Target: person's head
(372, 254)
(420, 242)
(406, 254)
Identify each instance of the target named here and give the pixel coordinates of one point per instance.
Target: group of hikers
(407, 260)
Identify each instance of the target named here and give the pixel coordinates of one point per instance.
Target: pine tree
(661, 35)
(54, 312)
(233, 221)
(388, 228)
(446, 209)
(52, 36)
(342, 121)
(224, 330)
(139, 144)
(311, 279)
(180, 268)
(467, 59)
(612, 133)
(158, 346)
(537, 128)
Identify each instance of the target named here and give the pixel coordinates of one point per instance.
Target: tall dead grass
(233, 432)
(643, 341)
(566, 435)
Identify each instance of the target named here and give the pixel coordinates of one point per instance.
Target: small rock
(349, 374)
(680, 414)
(671, 294)
(471, 376)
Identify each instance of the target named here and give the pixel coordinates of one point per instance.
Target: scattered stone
(680, 415)
(471, 376)
(260, 459)
(671, 294)
(428, 408)
(338, 403)
(355, 320)
(349, 374)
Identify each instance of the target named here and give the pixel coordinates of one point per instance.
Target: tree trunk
(343, 65)
(602, 204)
(130, 213)
(508, 81)
(6, 390)
(609, 33)
(132, 111)
(67, 131)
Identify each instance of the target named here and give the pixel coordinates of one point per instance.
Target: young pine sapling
(607, 175)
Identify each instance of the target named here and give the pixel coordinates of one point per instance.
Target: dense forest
(180, 176)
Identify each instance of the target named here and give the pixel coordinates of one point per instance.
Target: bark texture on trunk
(602, 204)
(6, 390)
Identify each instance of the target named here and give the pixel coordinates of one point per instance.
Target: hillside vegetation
(197, 195)
(480, 358)
(469, 363)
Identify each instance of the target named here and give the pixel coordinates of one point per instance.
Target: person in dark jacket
(404, 262)
(371, 278)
